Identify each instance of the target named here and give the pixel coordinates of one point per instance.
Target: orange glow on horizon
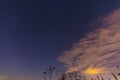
(93, 71)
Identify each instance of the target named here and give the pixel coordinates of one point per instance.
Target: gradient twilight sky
(34, 33)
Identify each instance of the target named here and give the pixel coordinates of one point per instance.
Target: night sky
(34, 33)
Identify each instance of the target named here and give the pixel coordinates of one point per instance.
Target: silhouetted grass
(51, 73)
(114, 76)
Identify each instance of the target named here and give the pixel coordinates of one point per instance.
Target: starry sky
(34, 33)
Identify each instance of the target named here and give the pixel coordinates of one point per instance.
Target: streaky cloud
(100, 48)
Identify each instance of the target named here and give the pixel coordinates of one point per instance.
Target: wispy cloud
(100, 48)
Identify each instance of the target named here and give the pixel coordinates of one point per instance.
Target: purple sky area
(34, 33)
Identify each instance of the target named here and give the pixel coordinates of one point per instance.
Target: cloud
(100, 48)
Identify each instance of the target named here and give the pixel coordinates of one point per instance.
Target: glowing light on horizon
(93, 71)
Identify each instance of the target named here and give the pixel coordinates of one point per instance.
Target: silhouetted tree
(75, 75)
(101, 77)
(44, 73)
(119, 74)
(84, 78)
(70, 76)
(50, 71)
(98, 77)
(63, 76)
